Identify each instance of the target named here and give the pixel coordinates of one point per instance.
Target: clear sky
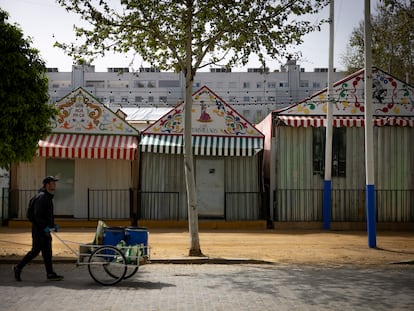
(45, 22)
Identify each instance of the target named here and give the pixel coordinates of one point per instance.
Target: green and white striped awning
(203, 145)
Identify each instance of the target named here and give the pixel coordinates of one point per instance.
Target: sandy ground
(312, 247)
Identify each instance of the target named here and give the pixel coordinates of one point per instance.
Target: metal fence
(4, 208)
(298, 205)
(244, 206)
(395, 205)
(110, 203)
(101, 204)
(18, 203)
(157, 205)
(346, 205)
(289, 205)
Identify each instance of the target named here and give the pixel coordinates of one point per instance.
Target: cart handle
(65, 242)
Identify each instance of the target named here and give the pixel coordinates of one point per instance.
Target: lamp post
(369, 145)
(329, 129)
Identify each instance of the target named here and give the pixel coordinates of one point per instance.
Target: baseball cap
(48, 179)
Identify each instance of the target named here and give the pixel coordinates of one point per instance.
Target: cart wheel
(107, 265)
(131, 270)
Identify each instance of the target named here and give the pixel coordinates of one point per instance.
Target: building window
(259, 116)
(316, 85)
(246, 114)
(152, 84)
(246, 85)
(283, 84)
(168, 83)
(139, 84)
(271, 85)
(97, 84)
(304, 83)
(139, 99)
(338, 151)
(145, 84)
(163, 99)
(259, 85)
(150, 99)
(246, 98)
(117, 84)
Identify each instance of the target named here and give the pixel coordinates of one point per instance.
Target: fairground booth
(93, 153)
(227, 153)
(295, 153)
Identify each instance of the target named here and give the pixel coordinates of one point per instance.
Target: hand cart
(109, 264)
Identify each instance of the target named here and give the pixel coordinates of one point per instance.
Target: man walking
(43, 221)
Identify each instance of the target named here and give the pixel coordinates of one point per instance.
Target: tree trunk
(188, 148)
(189, 176)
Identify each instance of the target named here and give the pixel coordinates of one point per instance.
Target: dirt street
(314, 247)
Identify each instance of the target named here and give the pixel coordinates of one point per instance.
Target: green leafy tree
(187, 35)
(392, 40)
(25, 112)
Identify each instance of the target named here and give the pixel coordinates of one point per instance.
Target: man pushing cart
(115, 253)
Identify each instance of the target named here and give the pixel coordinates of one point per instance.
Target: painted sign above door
(81, 113)
(391, 97)
(211, 116)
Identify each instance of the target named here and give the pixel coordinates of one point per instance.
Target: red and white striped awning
(75, 146)
(344, 121)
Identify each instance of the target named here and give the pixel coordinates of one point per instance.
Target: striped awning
(344, 121)
(74, 146)
(203, 145)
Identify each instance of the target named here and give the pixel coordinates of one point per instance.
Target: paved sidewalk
(242, 287)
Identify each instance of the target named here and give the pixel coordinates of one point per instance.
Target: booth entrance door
(210, 188)
(64, 170)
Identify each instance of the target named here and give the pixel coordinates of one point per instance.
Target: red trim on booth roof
(344, 121)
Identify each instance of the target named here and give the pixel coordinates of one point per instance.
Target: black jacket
(43, 210)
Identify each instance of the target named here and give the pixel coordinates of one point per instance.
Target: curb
(183, 261)
(403, 262)
(216, 261)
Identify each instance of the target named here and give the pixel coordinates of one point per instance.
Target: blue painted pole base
(327, 204)
(371, 217)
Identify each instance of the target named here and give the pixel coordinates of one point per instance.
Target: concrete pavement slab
(213, 287)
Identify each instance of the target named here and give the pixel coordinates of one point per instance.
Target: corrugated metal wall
(243, 198)
(163, 191)
(103, 175)
(394, 173)
(348, 193)
(162, 187)
(299, 193)
(94, 174)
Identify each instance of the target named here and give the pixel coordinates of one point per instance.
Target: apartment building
(253, 94)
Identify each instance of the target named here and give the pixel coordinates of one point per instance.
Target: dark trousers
(41, 242)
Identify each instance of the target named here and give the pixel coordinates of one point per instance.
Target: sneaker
(17, 273)
(54, 277)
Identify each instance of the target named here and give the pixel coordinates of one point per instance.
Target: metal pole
(369, 146)
(329, 129)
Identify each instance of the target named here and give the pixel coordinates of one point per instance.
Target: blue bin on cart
(113, 235)
(137, 235)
